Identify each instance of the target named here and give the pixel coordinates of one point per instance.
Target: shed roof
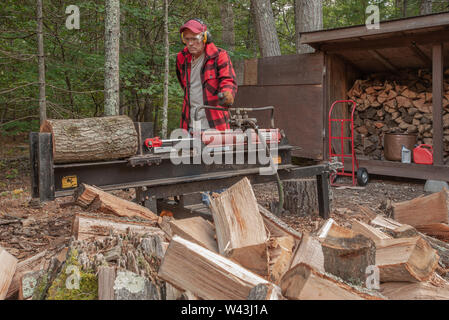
(397, 44)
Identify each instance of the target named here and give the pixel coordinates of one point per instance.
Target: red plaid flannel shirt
(217, 75)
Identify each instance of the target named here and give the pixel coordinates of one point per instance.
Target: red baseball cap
(194, 26)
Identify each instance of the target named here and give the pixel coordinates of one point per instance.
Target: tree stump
(300, 196)
(92, 139)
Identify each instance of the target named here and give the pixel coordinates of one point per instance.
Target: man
(204, 71)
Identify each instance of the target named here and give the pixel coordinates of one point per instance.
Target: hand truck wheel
(362, 177)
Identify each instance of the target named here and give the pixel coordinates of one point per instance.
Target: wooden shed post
(437, 109)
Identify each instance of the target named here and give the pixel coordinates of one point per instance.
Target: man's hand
(225, 99)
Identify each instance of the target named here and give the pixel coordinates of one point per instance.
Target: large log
(303, 282)
(240, 229)
(8, 266)
(87, 226)
(110, 204)
(423, 210)
(92, 139)
(405, 259)
(210, 276)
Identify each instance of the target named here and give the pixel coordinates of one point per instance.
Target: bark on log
(92, 139)
(301, 196)
(338, 251)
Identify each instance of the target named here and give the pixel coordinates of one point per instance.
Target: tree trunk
(308, 17)
(41, 63)
(266, 28)
(404, 8)
(92, 139)
(426, 7)
(227, 22)
(111, 65)
(167, 62)
(301, 196)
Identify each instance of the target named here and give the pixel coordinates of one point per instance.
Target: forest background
(74, 59)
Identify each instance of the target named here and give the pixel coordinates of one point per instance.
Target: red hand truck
(362, 176)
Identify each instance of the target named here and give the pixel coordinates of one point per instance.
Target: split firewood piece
(405, 231)
(303, 282)
(368, 231)
(423, 210)
(106, 279)
(435, 289)
(8, 265)
(197, 230)
(280, 251)
(276, 227)
(338, 251)
(34, 263)
(405, 259)
(210, 276)
(87, 226)
(240, 229)
(110, 204)
(436, 230)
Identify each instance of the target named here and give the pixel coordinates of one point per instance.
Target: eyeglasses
(196, 39)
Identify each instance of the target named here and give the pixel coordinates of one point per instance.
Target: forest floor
(26, 230)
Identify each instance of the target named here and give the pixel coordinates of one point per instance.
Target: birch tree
(266, 28)
(308, 17)
(166, 73)
(111, 67)
(41, 63)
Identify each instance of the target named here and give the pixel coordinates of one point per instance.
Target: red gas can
(422, 155)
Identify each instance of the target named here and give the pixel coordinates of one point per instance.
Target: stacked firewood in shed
(396, 104)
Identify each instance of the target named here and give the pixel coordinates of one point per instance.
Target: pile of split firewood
(121, 250)
(396, 105)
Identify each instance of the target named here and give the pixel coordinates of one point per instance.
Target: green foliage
(75, 58)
